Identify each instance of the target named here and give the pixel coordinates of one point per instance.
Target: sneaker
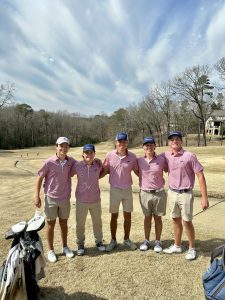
(80, 250)
(111, 246)
(130, 244)
(51, 256)
(173, 249)
(68, 252)
(145, 245)
(100, 246)
(158, 246)
(191, 254)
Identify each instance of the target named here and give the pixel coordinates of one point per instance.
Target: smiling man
(88, 197)
(152, 194)
(182, 168)
(119, 163)
(57, 188)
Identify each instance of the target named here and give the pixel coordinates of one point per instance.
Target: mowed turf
(122, 274)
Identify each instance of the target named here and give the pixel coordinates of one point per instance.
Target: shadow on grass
(50, 293)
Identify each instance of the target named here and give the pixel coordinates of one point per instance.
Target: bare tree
(6, 93)
(194, 85)
(220, 67)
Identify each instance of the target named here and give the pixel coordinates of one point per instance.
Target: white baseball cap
(61, 140)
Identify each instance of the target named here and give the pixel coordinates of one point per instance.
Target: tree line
(183, 103)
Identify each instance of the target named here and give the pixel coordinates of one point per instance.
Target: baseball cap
(61, 140)
(121, 136)
(148, 140)
(89, 147)
(175, 133)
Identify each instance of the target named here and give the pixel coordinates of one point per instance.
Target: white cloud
(96, 56)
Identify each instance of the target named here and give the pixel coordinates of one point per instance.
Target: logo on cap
(122, 136)
(148, 140)
(175, 133)
(89, 147)
(62, 140)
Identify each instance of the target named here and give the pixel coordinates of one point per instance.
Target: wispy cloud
(94, 56)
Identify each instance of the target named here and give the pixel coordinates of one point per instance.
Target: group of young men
(181, 166)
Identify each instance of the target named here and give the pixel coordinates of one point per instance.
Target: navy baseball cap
(148, 140)
(89, 147)
(175, 133)
(121, 136)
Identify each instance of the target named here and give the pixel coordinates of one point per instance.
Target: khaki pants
(81, 215)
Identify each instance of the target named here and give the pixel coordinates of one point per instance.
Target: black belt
(180, 191)
(153, 191)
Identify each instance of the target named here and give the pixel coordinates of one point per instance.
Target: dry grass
(122, 274)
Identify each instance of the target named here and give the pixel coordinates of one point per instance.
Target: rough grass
(122, 274)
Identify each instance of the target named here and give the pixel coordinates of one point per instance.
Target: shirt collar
(180, 152)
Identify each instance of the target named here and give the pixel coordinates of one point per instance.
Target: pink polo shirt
(57, 183)
(119, 169)
(151, 172)
(87, 190)
(182, 168)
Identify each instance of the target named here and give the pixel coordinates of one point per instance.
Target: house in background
(215, 125)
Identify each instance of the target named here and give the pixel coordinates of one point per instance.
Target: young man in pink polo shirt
(88, 197)
(152, 194)
(119, 163)
(57, 188)
(182, 168)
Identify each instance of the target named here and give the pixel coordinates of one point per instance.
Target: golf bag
(214, 277)
(25, 262)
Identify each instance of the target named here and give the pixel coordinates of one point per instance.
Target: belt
(181, 191)
(153, 191)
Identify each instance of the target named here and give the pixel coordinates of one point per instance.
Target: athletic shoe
(68, 252)
(80, 250)
(130, 244)
(158, 246)
(100, 246)
(191, 254)
(173, 249)
(111, 245)
(145, 245)
(51, 256)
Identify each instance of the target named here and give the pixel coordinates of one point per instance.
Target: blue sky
(94, 56)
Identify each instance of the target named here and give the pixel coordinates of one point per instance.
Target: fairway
(121, 274)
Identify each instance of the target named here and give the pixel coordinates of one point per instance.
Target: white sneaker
(158, 246)
(130, 244)
(100, 246)
(80, 250)
(173, 249)
(68, 252)
(191, 254)
(111, 245)
(145, 245)
(51, 256)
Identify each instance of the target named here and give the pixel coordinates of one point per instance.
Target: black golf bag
(25, 262)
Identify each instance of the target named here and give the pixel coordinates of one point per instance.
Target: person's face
(88, 156)
(62, 149)
(149, 148)
(121, 145)
(175, 142)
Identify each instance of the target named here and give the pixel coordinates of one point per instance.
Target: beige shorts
(56, 208)
(153, 203)
(120, 195)
(181, 205)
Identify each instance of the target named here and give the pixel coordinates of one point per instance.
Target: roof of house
(218, 115)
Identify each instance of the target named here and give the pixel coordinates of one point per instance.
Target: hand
(205, 204)
(37, 202)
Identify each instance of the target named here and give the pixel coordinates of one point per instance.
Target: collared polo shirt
(57, 183)
(87, 190)
(120, 168)
(182, 168)
(151, 172)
